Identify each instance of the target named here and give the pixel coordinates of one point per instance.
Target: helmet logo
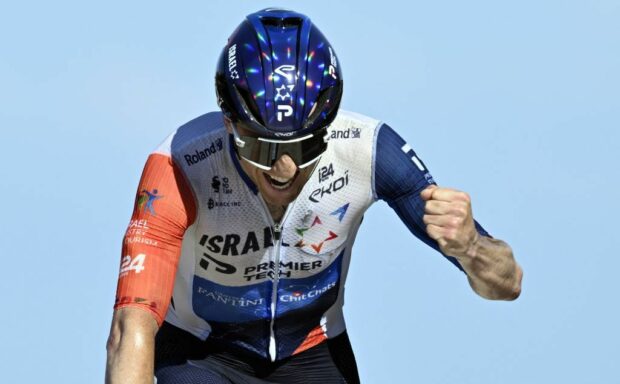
(232, 62)
(284, 111)
(280, 96)
(333, 64)
(283, 92)
(287, 71)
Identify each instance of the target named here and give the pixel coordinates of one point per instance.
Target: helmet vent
(249, 104)
(291, 22)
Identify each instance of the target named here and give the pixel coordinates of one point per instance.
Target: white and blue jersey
(242, 280)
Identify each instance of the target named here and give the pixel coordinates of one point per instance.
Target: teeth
(279, 182)
(281, 186)
(280, 179)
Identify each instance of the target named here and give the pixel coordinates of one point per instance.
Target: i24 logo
(326, 172)
(129, 264)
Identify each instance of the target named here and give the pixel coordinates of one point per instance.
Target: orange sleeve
(164, 209)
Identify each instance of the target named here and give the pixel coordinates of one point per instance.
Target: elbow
(114, 340)
(132, 328)
(509, 289)
(513, 294)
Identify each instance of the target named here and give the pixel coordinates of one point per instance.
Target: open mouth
(280, 183)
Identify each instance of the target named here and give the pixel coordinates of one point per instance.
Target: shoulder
(194, 132)
(353, 131)
(348, 119)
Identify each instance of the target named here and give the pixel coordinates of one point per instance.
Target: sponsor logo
(136, 232)
(217, 204)
(284, 111)
(409, 152)
(287, 71)
(215, 184)
(137, 228)
(224, 184)
(301, 296)
(329, 189)
(326, 172)
(146, 200)
(268, 269)
(220, 266)
(283, 92)
(349, 133)
(283, 134)
(141, 240)
(406, 148)
(232, 62)
(198, 156)
(129, 264)
(233, 301)
(259, 271)
(233, 244)
(333, 64)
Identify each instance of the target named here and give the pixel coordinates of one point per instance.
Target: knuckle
(461, 211)
(428, 205)
(432, 232)
(451, 234)
(465, 196)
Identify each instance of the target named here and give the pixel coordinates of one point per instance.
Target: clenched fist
(449, 220)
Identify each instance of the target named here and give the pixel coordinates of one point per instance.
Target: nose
(284, 167)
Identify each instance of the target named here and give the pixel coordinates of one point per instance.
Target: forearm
(492, 270)
(130, 354)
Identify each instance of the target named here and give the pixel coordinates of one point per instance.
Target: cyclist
(235, 258)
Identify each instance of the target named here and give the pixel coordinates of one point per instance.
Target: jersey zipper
(277, 235)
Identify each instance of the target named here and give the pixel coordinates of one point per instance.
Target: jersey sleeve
(399, 177)
(164, 208)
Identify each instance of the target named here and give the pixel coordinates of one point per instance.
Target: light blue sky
(516, 103)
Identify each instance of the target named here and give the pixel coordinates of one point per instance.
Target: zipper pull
(277, 231)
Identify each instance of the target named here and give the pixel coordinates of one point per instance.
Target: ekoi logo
(146, 200)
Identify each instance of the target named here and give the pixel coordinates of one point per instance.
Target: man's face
(282, 183)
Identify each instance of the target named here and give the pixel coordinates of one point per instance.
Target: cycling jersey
(203, 252)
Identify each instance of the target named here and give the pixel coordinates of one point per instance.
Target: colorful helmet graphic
(279, 75)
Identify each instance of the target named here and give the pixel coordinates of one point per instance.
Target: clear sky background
(515, 102)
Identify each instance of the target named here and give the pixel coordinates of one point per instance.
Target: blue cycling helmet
(279, 75)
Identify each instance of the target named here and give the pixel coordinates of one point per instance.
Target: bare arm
(131, 347)
(492, 270)
(489, 263)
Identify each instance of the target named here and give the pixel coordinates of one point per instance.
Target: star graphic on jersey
(317, 220)
(300, 244)
(280, 96)
(306, 218)
(300, 231)
(332, 236)
(340, 212)
(317, 247)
